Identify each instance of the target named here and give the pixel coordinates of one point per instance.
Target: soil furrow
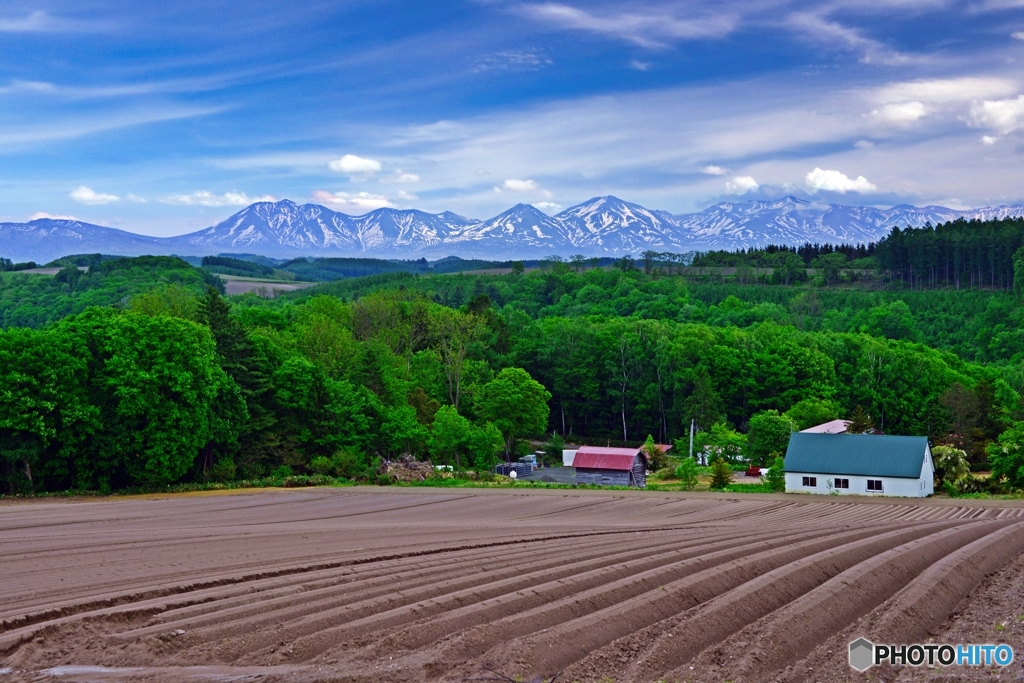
(682, 638)
(322, 631)
(571, 641)
(849, 595)
(380, 588)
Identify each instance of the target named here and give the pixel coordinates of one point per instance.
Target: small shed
(860, 464)
(611, 466)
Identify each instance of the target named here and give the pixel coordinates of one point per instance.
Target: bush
(552, 451)
(322, 465)
(281, 472)
(721, 474)
(950, 465)
(686, 473)
(1007, 456)
(775, 480)
(222, 470)
(352, 465)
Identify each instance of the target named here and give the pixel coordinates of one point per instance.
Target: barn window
(842, 483)
(875, 485)
(811, 482)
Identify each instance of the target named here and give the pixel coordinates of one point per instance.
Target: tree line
(175, 387)
(960, 254)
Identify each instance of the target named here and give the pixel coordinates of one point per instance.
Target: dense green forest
(29, 300)
(138, 372)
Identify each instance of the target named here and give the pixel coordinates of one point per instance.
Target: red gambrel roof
(599, 458)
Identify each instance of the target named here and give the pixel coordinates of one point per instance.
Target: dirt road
(372, 584)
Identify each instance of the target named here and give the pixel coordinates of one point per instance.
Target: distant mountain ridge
(602, 226)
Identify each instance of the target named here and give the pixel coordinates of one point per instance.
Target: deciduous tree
(514, 403)
(769, 434)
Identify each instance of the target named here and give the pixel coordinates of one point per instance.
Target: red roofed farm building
(611, 466)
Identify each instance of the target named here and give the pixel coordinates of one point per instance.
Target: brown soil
(452, 585)
(265, 288)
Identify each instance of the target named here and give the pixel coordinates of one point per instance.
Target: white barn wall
(891, 486)
(928, 472)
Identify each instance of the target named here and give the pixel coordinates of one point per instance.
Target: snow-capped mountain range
(603, 226)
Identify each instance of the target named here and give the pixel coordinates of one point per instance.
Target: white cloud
(864, 144)
(770, 128)
(86, 195)
(832, 33)
(834, 181)
(902, 113)
(350, 163)
(516, 185)
(548, 207)
(206, 198)
(1002, 116)
(638, 65)
(400, 176)
(134, 198)
(344, 201)
(653, 29)
(945, 90)
(741, 185)
(32, 134)
(714, 170)
(988, 140)
(1019, 35)
(407, 196)
(54, 217)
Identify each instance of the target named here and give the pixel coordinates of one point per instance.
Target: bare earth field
(370, 584)
(269, 288)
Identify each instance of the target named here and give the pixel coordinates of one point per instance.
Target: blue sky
(167, 117)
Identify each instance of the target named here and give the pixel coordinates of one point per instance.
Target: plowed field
(452, 585)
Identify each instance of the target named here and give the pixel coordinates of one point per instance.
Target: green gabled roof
(857, 454)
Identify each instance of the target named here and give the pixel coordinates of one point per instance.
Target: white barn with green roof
(859, 464)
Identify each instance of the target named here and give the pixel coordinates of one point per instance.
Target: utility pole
(692, 422)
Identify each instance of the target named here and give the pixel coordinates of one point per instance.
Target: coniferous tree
(860, 422)
(721, 474)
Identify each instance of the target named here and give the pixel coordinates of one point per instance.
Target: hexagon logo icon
(862, 654)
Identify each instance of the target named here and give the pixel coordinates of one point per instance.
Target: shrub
(322, 465)
(344, 463)
(775, 480)
(686, 473)
(950, 464)
(721, 474)
(222, 470)
(281, 472)
(553, 451)
(1007, 456)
